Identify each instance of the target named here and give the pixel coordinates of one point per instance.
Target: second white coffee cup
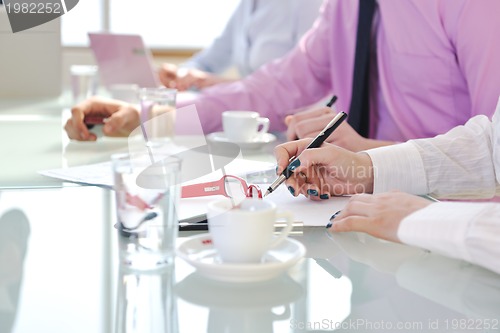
(245, 233)
(243, 126)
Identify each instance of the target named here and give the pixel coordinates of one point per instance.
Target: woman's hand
(378, 215)
(326, 171)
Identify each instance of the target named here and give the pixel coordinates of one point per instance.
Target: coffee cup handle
(286, 230)
(265, 124)
(282, 316)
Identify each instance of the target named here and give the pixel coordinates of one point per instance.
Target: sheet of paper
(310, 213)
(100, 174)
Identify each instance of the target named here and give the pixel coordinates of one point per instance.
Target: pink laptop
(123, 59)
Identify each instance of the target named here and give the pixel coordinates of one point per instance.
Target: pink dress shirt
(438, 64)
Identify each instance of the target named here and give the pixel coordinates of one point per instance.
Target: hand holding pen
(326, 171)
(317, 142)
(307, 123)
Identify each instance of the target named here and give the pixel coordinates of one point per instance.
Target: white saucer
(259, 141)
(199, 252)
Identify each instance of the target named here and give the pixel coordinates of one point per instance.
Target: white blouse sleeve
(458, 164)
(468, 231)
(463, 163)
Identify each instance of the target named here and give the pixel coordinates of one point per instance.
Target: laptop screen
(123, 59)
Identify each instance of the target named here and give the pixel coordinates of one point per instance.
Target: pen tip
(265, 194)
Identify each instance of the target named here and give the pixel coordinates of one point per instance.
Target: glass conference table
(59, 270)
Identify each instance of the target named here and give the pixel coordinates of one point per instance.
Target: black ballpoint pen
(317, 142)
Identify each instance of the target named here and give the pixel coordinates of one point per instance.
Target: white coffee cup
(243, 126)
(243, 234)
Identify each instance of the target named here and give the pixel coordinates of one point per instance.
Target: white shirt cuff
(441, 227)
(398, 167)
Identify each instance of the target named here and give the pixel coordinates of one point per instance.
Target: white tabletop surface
(59, 269)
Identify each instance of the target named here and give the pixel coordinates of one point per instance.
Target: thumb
(122, 122)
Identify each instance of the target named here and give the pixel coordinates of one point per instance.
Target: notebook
(123, 59)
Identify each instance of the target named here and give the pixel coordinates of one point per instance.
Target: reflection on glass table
(241, 308)
(145, 302)
(59, 273)
(416, 290)
(14, 233)
(286, 303)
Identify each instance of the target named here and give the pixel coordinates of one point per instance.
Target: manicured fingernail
(324, 196)
(150, 216)
(294, 165)
(312, 192)
(329, 225)
(291, 189)
(277, 169)
(335, 215)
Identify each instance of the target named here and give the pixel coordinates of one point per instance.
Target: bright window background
(85, 17)
(164, 24)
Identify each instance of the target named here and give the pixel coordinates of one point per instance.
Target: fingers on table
(356, 215)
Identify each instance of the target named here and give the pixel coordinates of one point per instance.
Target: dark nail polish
(292, 166)
(324, 196)
(312, 192)
(291, 189)
(150, 216)
(329, 225)
(335, 215)
(277, 169)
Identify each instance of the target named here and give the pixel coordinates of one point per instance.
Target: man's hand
(119, 118)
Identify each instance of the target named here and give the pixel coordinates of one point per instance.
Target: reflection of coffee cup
(243, 126)
(248, 307)
(243, 234)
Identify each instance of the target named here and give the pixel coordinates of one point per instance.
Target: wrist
(372, 143)
(365, 177)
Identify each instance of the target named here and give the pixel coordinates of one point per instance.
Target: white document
(101, 174)
(310, 213)
(307, 211)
